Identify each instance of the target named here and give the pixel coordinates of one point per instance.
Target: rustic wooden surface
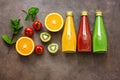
(60, 66)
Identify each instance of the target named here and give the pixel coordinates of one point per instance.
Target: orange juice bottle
(69, 35)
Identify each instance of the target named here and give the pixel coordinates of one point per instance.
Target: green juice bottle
(99, 35)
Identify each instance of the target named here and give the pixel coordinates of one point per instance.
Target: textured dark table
(60, 66)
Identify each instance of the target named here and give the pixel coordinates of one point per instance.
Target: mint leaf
(15, 32)
(27, 17)
(7, 39)
(12, 29)
(16, 26)
(19, 26)
(14, 41)
(33, 17)
(15, 22)
(32, 12)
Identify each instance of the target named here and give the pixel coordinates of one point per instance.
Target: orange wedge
(54, 22)
(25, 46)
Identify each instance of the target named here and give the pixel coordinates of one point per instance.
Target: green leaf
(19, 27)
(15, 32)
(32, 12)
(33, 17)
(27, 17)
(14, 41)
(15, 22)
(15, 27)
(7, 39)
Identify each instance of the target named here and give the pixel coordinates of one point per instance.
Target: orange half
(54, 22)
(25, 46)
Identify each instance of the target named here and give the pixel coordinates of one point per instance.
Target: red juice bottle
(84, 35)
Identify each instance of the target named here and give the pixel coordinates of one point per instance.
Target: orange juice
(69, 35)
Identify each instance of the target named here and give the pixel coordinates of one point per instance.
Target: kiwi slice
(45, 37)
(53, 48)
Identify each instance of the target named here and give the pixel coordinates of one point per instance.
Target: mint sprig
(32, 12)
(15, 27)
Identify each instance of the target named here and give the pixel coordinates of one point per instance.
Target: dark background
(60, 66)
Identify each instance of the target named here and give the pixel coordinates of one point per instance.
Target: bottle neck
(84, 26)
(69, 16)
(69, 25)
(99, 25)
(99, 19)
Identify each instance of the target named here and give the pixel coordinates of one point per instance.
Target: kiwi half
(45, 37)
(53, 48)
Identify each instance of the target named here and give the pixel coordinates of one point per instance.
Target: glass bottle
(84, 35)
(69, 35)
(99, 34)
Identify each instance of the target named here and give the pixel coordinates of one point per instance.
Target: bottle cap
(69, 13)
(99, 13)
(84, 13)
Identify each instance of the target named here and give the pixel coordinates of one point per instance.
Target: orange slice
(54, 22)
(25, 46)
